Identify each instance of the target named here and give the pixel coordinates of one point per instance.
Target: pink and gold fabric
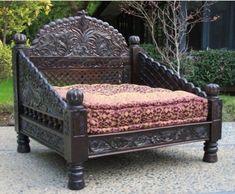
(124, 107)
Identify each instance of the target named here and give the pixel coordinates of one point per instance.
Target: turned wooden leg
(23, 143)
(210, 154)
(76, 179)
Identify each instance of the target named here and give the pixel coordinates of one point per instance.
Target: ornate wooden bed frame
(82, 49)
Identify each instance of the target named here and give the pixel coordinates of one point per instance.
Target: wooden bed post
(134, 42)
(76, 140)
(214, 115)
(22, 140)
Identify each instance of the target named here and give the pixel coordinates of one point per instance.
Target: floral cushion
(115, 108)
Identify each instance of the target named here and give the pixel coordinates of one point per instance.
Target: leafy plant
(228, 108)
(16, 16)
(5, 61)
(6, 96)
(92, 6)
(60, 9)
(210, 66)
(174, 22)
(151, 51)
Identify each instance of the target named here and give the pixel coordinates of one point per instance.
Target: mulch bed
(5, 119)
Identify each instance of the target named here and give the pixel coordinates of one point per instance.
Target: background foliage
(5, 61)
(205, 66)
(151, 51)
(16, 16)
(60, 9)
(210, 66)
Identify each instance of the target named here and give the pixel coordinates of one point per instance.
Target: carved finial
(82, 13)
(133, 40)
(74, 97)
(19, 39)
(212, 90)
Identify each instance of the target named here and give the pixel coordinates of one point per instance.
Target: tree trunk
(4, 33)
(84, 5)
(73, 7)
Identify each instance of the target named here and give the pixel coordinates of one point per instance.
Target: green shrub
(5, 61)
(210, 66)
(151, 51)
(59, 9)
(228, 108)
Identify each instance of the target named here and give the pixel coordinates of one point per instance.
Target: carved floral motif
(79, 36)
(145, 139)
(34, 90)
(43, 136)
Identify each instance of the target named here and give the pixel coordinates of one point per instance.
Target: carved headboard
(80, 49)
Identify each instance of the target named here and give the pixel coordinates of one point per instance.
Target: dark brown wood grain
(100, 145)
(82, 49)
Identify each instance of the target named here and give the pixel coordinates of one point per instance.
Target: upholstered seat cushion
(115, 108)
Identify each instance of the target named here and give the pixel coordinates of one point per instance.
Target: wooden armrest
(155, 74)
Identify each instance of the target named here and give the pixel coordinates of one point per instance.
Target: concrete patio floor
(176, 169)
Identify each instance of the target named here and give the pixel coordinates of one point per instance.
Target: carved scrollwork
(78, 36)
(35, 91)
(147, 139)
(157, 75)
(50, 139)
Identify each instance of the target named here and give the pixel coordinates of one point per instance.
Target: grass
(6, 101)
(228, 107)
(6, 96)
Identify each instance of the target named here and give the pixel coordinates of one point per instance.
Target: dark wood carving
(78, 36)
(79, 62)
(76, 177)
(135, 48)
(23, 143)
(101, 145)
(217, 109)
(80, 50)
(155, 74)
(20, 40)
(76, 147)
(214, 115)
(43, 119)
(35, 91)
(77, 112)
(210, 154)
(72, 70)
(85, 76)
(42, 135)
(103, 51)
(215, 103)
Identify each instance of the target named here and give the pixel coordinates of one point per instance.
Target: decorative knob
(82, 13)
(134, 40)
(212, 89)
(74, 97)
(19, 38)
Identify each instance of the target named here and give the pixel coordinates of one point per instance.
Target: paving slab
(176, 169)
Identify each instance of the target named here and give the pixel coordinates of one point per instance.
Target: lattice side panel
(154, 74)
(79, 76)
